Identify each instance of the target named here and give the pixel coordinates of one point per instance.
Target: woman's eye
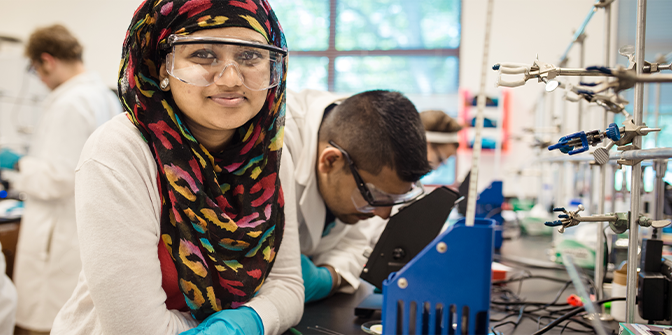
(250, 55)
(203, 54)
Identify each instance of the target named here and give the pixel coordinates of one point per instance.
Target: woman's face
(438, 153)
(213, 112)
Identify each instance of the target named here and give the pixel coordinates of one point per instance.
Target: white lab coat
(345, 245)
(47, 257)
(7, 299)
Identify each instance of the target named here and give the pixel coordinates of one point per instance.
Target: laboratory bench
(335, 315)
(9, 235)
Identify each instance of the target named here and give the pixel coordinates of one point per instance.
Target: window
(351, 46)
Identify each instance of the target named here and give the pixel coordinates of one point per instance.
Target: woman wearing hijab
(179, 204)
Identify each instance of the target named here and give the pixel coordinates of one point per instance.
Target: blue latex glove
(8, 158)
(316, 280)
(240, 321)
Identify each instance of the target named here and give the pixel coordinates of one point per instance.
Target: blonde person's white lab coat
(7, 299)
(47, 258)
(344, 246)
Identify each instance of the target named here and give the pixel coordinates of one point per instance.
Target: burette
(476, 155)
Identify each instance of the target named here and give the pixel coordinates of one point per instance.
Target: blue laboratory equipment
(446, 288)
(580, 141)
(488, 205)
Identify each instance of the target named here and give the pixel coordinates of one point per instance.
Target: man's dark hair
(379, 128)
(55, 40)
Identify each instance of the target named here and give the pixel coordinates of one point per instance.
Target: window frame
(332, 53)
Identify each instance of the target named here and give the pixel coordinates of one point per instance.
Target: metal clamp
(618, 222)
(580, 141)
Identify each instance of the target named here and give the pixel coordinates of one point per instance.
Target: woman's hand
(240, 321)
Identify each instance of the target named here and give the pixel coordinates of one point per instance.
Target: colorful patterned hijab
(222, 216)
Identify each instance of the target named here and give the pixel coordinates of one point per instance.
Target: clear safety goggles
(201, 61)
(367, 196)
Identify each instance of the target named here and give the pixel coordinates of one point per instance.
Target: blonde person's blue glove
(316, 280)
(240, 321)
(8, 158)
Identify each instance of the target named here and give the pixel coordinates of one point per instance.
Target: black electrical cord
(559, 280)
(562, 330)
(573, 312)
(510, 299)
(545, 304)
(512, 304)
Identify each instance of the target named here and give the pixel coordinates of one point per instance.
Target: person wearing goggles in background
(351, 159)
(441, 132)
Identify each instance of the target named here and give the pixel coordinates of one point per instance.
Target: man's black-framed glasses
(368, 196)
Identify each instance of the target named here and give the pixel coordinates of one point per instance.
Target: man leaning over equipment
(352, 158)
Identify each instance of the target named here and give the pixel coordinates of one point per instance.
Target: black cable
(557, 296)
(529, 277)
(504, 317)
(515, 324)
(527, 303)
(573, 312)
(508, 300)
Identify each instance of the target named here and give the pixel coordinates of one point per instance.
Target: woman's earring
(164, 83)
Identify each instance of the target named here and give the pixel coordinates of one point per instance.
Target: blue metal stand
(489, 206)
(446, 288)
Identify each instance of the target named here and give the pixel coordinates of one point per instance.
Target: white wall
(521, 29)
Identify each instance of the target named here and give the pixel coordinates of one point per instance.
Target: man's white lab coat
(344, 246)
(47, 258)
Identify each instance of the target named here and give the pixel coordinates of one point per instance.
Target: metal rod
(473, 182)
(563, 71)
(660, 166)
(599, 250)
(578, 33)
(636, 184)
(598, 218)
(646, 154)
(656, 113)
(647, 78)
(582, 63)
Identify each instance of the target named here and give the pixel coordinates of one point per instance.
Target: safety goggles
(201, 61)
(367, 196)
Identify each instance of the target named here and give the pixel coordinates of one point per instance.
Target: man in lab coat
(47, 259)
(351, 158)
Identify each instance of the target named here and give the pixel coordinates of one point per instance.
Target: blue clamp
(602, 69)
(563, 143)
(612, 132)
(553, 223)
(589, 84)
(561, 216)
